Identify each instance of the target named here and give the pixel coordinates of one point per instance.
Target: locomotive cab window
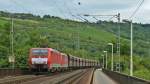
(40, 52)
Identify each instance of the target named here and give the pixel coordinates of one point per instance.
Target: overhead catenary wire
(111, 17)
(70, 12)
(136, 10)
(76, 16)
(73, 15)
(95, 18)
(83, 18)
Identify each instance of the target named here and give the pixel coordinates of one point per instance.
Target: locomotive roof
(47, 48)
(54, 50)
(63, 54)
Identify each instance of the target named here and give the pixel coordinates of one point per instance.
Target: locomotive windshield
(40, 52)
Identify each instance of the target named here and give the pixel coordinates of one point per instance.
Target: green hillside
(82, 39)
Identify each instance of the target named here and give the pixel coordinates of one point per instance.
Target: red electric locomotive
(47, 59)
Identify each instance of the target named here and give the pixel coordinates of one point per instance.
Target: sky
(71, 9)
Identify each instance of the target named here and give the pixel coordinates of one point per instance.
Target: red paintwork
(64, 60)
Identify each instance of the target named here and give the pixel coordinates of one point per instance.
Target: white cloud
(62, 7)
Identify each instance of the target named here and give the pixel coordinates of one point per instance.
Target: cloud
(63, 8)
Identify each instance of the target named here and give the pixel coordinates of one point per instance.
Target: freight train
(53, 60)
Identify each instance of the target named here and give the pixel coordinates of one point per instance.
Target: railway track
(19, 79)
(68, 78)
(13, 72)
(71, 77)
(84, 77)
